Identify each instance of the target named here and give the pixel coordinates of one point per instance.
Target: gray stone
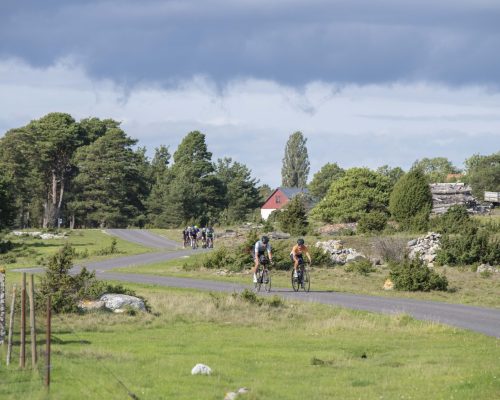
(487, 268)
(201, 369)
(119, 302)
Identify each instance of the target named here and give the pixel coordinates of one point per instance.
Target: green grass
(292, 351)
(30, 252)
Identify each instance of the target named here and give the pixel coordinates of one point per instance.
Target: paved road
(144, 237)
(479, 319)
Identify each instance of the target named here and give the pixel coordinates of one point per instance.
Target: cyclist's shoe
(266, 279)
(254, 278)
(295, 274)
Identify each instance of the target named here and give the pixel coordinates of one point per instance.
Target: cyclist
(185, 237)
(296, 255)
(204, 237)
(260, 248)
(210, 237)
(193, 233)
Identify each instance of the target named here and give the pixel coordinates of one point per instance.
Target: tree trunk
(72, 222)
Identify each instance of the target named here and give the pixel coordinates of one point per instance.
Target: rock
(487, 268)
(230, 396)
(243, 390)
(278, 235)
(426, 247)
(201, 369)
(91, 305)
(338, 254)
(354, 257)
(376, 261)
(388, 285)
(119, 302)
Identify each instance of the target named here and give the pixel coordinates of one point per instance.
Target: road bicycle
(302, 279)
(194, 243)
(263, 275)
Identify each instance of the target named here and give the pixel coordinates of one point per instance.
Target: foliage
(241, 194)
(323, 179)
(67, 290)
(413, 275)
(374, 221)
(358, 192)
(111, 249)
(455, 220)
(472, 245)
(394, 174)
(7, 202)
(293, 218)
(484, 175)
(110, 186)
(390, 249)
(295, 169)
(435, 169)
(411, 201)
(320, 257)
(361, 267)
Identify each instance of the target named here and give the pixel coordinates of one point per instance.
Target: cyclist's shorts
(299, 256)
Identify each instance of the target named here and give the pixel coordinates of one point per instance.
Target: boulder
(91, 305)
(425, 247)
(487, 268)
(201, 369)
(119, 302)
(338, 253)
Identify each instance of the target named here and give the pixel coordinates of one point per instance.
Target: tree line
(90, 173)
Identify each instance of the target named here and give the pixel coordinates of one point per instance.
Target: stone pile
(487, 268)
(426, 247)
(338, 253)
(40, 235)
(446, 195)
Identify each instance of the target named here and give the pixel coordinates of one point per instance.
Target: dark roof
(292, 192)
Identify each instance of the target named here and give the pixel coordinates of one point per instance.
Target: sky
(367, 82)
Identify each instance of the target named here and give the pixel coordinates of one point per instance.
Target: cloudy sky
(367, 82)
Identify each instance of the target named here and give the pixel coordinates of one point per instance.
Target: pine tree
(323, 179)
(295, 169)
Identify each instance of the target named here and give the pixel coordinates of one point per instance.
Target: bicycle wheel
(295, 282)
(266, 280)
(258, 284)
(306, 281)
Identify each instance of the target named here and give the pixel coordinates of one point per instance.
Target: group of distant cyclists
(192, 236)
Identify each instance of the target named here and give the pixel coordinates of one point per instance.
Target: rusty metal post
(22, 352)
(11, 325)
(32, 321)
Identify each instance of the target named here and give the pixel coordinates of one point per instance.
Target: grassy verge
(279, 350)
(30, 252)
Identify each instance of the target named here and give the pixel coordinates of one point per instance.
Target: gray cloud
(292, 42)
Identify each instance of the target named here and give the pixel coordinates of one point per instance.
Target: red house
(278, 199)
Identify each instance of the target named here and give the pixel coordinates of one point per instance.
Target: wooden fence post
(47, 343)
(2, 306)
(32, 321)
(11, 325)
(22, 352)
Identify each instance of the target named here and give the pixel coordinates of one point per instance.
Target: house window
(278, 199)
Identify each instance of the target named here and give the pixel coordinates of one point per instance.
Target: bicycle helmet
(264, 239)
(300, 242)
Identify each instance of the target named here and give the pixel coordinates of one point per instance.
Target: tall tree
(7, 202)
(57, 136)
(323, 179)
(485, 175)
(295, 169)
(110, 183)
(392, 173)
(242, 195)
(436, 169)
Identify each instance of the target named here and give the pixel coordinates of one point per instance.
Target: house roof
(292, 192)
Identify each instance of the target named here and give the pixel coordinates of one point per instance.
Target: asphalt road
(479, 319)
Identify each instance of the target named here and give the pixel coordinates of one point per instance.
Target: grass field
(279, 350)
(31, 252)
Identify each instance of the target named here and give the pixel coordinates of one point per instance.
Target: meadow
(277, 349)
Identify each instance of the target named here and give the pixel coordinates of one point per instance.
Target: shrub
(111, 249)
(390, 249)
(413, 275)
(320, 257)
(455, 220)
(293, 218)
(474, 245)
(374, 221)
(411, 201)
(361, 267)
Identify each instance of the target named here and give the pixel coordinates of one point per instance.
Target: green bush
(411, 201)
(374, 221)
(361, 267)
(474, 245)
(111, 249)
(455, 220)
(293, 218)
(413, 275)
(320, 257)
